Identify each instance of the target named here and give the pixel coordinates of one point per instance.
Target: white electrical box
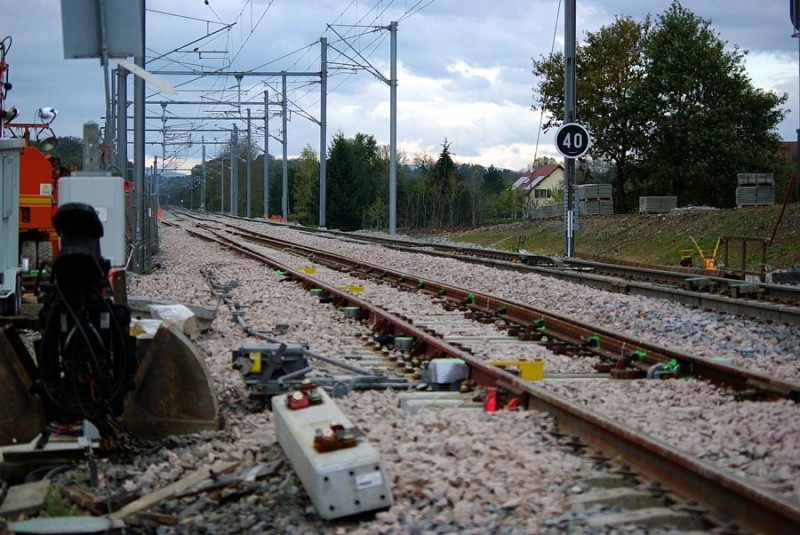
(106, 194)
(341, 482)
(9, 215)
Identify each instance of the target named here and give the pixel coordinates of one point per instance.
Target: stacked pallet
(595, 199)
(657, 204)
(755, 189)
(548, 211)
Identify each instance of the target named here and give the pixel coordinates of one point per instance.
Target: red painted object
(490, 404)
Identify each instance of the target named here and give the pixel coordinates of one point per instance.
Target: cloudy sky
(464, 68)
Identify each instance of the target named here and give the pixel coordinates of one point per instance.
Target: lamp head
(10, 114)
(47, 114)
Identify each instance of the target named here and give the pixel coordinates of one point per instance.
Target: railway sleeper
(748, 289)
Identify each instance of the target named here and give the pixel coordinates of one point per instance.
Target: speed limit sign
(572, 140)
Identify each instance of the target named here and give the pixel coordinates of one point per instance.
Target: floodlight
(48, 143)
(10, 114)
(47, 114)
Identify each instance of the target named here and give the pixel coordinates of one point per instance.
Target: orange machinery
(38, 202)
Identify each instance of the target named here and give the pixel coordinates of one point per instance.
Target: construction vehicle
(88, 366)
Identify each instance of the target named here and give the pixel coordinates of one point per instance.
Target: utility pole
(794, 16)
(284, 167)
(247, 159)
(122, 122)
(222, 185)
(203, 188)
(141, 258)
(266, 154)
(323, 136)
(393, 131)
(234, 170)
(570, 105)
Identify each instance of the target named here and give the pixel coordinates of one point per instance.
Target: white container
(106, 194)
(9, 215)
(342, 482)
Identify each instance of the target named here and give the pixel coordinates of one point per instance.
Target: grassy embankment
(649, 238)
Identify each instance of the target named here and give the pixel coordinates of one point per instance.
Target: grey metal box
(342, 482)
(9, 213)
(80, 24)
(106, 194)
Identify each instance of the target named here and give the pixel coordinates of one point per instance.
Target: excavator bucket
(22, 414)
(173, 392)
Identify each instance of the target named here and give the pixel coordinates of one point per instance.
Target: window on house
(541, 193)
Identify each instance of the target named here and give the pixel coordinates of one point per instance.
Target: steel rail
(673, 283)
(752, 507)
(600, 341)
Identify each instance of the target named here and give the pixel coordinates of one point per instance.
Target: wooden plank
(96, 506)
(25, 498)
(146, 502)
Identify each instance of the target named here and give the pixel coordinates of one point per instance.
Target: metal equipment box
(9, 215)
(341, 482)
(106, 194)
(265, 367)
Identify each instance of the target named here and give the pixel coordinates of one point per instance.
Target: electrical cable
(541, 111)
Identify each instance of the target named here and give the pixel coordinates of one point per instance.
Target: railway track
(750, 505)
(701, 288)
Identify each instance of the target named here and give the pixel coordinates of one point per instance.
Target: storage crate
(594, 191)
(597, 207)
(657, 204)
(755, 179)
(755, 195)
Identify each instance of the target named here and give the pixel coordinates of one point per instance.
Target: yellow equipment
(707, 256)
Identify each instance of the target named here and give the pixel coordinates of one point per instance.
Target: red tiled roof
(536, 176)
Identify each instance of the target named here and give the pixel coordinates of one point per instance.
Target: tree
(70, 151)
(355, 178)
(305, 192)
(610, 67)
(493, 182)
(665, 103)
(446, 179)
(705, 120)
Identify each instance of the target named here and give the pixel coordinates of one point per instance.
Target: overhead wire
(369, 22)
(541, 111)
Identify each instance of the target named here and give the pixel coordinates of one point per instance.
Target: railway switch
(264, 367)
(341, 472)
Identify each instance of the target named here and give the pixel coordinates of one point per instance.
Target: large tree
(305, 188)
(609, 69)
(668, 106)
(705, 120)
(356, 176)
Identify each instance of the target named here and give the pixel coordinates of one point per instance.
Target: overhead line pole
(247, 160)
(323, 136)
(570, 105)
(393, 131)
(203, 188)
(266, 154)
(141, 262)
(284, 167)
(234, 171)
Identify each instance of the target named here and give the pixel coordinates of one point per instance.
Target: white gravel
(478, 485)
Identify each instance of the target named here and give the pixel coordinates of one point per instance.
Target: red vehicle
(38, 201)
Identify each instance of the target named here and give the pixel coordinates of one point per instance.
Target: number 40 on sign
(572, 140)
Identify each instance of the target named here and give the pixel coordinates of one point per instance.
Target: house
(788, 150)
(540, 183)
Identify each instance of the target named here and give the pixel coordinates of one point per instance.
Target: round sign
(572, 140)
